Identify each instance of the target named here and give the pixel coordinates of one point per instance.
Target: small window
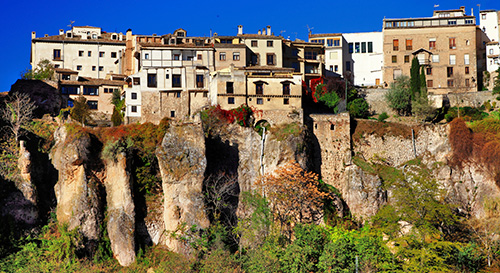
(101, 68)
(230, 100)
(271, 59)
(395, 44)
(229, 87)
(449, 71)
(429, 70)
(78, 67)
(453, 60)
(286, 101)
(199, 81)
(370, 47)
(466, 59)
(351, 48)
(222, 56)
(101, 54)
(57, 54)
(348, 66)
(430, 83)
(236, 56)
(80, 53)
(133, 95)
(199, 57)
(467, 70)
(137, 81)
(113, 55)
(269, 43)
(177, 57)
(56, 66)
(363, 47)
(260, 101)
(407, 58)
(450, 83)
(432, 43)
(259, 88)
(133, 109)
(89, 53)
(332, 127)
(453, 44)
(253, 43)
(93, 68)
(336, 68)
(92, 104)
(167, 76)
(409, 44)
(356, 48)
(435, 58)
(394, 59)
(176, 81)
(286, 89)
(177, 94)
(151, 80)
(172, 114)
(146, 56)
(467, 82)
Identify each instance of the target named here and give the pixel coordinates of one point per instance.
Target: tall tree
(423, 80)
(81, 110)
(414, 78)
(119, 103)
(399, 95)
(18, 111)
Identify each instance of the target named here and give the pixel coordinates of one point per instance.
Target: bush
(382, 117)
(399, 96)
(358, 108)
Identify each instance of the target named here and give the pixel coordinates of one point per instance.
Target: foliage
(215, 117)
(303, 254)
(382, 117)
(358, 108)
(423, 81)
(327, 96)
(294, 196)
(255, 220)
(45, 131)
(496, 86)
(421, 107)
(414, 78)
(113, 148)
(81, 111)
(43, 71)
(399, 96)
(119, 106)
(461, 141)
(467, 113)
(17, 112)
(282, 132)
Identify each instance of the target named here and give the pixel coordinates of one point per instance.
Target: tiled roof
(218, 45)
(92, 81)
(65, 70)
(104, 38)
(190, 45)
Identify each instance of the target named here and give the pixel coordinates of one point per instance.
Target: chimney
(121, 36)
(33, 35)
(240, 30)
(129, 34)
(61, 32)
(268, 32)
(258, 32)
(462, 8)
(46, 35)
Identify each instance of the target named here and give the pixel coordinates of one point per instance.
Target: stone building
(264, 49)
(87, 50)
(171, 76)
(276, 93)
(448, 44)
(229, 50)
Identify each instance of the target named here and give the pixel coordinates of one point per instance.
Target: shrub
(80, 111)
(382, 117)
(461, 141)
(358, 108)
(399, 96)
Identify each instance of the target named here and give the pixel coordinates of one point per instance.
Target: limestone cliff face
(120, 209)
(363, 192)
(182, 163)
(77, 193)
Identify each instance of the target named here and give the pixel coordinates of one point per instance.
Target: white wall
(490, 24)
(367, 67)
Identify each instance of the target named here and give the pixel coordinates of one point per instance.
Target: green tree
(399, 96)
(81, 110)
(43, 71)
(421, 108)
(119, 103)
(415, 78)
(358, 108)
(327, 96)
(496, 87)
(423, 80)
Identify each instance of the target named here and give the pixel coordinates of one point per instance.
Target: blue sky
(291, 18)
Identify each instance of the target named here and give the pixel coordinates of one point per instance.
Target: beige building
(305, 58)
(172, 76)
(448, 45)
(229, 50)
(264, 49)
(276, 93)
(87, 50)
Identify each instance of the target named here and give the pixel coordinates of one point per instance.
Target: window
(70, 90)
(452, 22)
(89, 53)
(199, 81)
(101, 54)
(57, 54)
(255, 59)
(469, 21)
(113, 54)
(449, 71)
(435, 58)
(78, 67)
(336, 42)
(101, 68)
(394, 59)
(56, 66)
(151, 80)
(133, 95)
(269, 43)
(453, 60)
(450, 83)
(356, 47)
(260, 101)
(271, 59)
(311, 55)
(336, 68)
(176, 81)
(253, 43)
(137, 81)
(91, 90)
(92, 104)
(259, 88)
(453, 44)
(146, 56)
(370, 47)
(177, 57)
(229, 87)
(199, 57)
(93, 68)
(363, 47)
(286, 89)
(177, 94)
(467, 70)
(172, 114)
(348, 66)
(483, 16)
(133, 109)
(331, 67)
(230, 100)
(236, 56)
(432, 43)
(429, 70)
(466, 59)
(222, 56)
(467, 82)
(395, 44)
(351, 48)
(491, 51)
(407, 58)
(286, 101)
(430, 83)
(80, 53)
(296, 66)
(409, 44)
(329, 42)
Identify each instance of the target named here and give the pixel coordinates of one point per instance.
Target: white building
(490, 25)
(87, 50)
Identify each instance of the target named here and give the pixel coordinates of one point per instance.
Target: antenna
(309, 29)
(71, 24)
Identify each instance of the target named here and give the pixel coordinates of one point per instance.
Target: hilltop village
(250, 152)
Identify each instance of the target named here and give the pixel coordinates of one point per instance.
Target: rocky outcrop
(182, 163)
(77, 190)
(120, 210)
